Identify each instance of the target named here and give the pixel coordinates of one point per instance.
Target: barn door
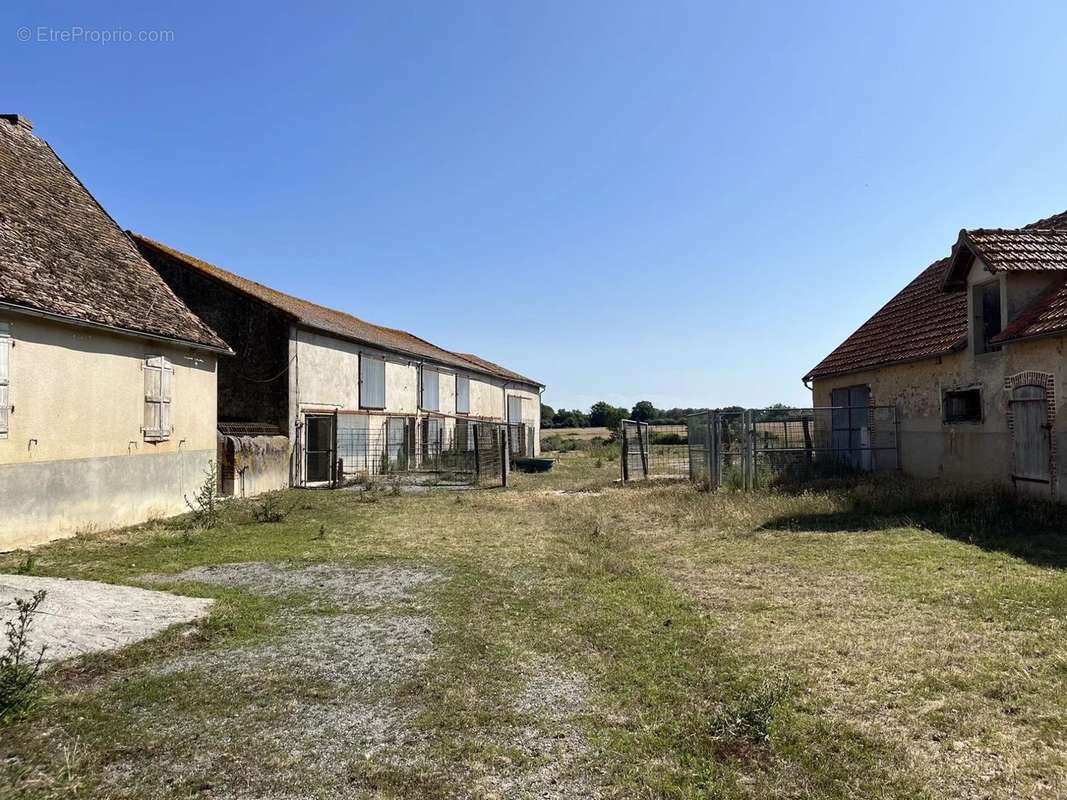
(850, 422)
(1031, 446)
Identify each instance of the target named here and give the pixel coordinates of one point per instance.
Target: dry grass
(578, 433)
(572, 638)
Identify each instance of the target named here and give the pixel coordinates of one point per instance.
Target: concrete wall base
(41, 501)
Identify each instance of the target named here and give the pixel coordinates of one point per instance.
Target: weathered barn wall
(259, 463)
(253, 385)
(75, 455)
(324, 376)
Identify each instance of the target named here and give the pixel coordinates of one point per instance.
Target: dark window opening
(963, 405)
(987, 317)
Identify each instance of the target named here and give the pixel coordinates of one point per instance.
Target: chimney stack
(18, 120)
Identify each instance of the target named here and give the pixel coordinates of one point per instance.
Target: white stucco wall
(324, 376)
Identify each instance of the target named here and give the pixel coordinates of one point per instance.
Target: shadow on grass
(993, 519)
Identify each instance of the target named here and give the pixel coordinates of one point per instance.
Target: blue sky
(690, 203)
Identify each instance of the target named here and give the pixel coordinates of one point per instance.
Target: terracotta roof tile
(330, 320)
(922, 321)
(1047, 315)
(1024, 249)
(61, 254)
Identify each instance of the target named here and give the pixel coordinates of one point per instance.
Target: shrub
(19, 668)
(270, 508)
(206, 504)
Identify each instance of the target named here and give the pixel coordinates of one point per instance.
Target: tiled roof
(1045, 316)
(1024, 249)
(489, 366)
(922, 321)
(62, 255)
(1058, 221)
(329, 320)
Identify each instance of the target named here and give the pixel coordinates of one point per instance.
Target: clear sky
(690, 203)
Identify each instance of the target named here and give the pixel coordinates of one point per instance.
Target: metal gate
(650, 450)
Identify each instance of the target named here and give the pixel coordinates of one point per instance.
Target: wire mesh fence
(761, 448)
(446, 449)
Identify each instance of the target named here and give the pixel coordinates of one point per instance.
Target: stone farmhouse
(972, 354)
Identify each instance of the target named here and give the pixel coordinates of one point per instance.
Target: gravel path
(79, 617)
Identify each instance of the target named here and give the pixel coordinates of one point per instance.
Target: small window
(463, 394)
(6, 343)
(963, 405)
(158, 380)
(430, 399)
(987, 317)
(371, 382)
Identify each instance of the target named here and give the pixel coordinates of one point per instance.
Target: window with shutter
(158, 389)
(5, 378)
(514, 409)
(431, 399)
(371, 382)
(463, 394)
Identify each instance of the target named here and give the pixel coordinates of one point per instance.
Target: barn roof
(62, 256)
(929, 317)
(1018, 250)
(922, 321)
(329, 320)
(1046, 316)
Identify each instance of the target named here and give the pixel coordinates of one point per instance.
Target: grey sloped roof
(329, 320)
(61, 254)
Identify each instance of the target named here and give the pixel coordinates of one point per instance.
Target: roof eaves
(816, 374)
(132, 332)
(961, 260)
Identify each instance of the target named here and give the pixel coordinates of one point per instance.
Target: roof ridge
(274, 297)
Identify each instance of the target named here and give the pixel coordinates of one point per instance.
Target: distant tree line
(605, 415)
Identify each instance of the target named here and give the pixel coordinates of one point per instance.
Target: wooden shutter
(463, 394)
(430, 389)
(5, 378)
(371, 382)
(166, 426)
(514, 409)
(158, 384)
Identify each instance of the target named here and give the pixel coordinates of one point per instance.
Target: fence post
(642, 440)
(747, 443)
(505, 461)
(709, 449)
(624, 450)
(472, 431)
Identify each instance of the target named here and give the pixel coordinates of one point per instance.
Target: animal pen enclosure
(423, 449)
(759, 448)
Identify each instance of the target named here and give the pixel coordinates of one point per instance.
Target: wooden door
(1032, 442)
